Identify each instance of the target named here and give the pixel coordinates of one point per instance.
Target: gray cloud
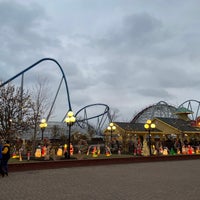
(128, 55)
(21, 37)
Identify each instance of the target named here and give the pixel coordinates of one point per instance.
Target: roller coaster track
(36, 64)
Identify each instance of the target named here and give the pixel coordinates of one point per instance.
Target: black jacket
(6, 152)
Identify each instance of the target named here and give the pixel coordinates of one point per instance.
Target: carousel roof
(136, 127)
(179, 124)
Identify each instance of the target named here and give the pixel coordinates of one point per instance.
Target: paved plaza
(168, 180)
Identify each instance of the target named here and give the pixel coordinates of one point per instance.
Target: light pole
(43, 125)
(111, 128)
(70, 120)
(149, 126)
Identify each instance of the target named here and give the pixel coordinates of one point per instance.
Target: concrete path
(169, 180)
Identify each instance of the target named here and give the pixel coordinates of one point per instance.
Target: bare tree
(114, 114)
(40, 104)
(15, 116)
(56, 132)
(91, 130)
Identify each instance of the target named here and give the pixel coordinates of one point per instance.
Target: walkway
(166, 180)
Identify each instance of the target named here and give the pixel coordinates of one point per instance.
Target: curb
(17, 167)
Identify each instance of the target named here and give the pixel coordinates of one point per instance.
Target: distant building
(170, 122)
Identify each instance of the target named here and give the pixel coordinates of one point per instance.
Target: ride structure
(84, 115)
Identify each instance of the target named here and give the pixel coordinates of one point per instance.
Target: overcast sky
(128, 54)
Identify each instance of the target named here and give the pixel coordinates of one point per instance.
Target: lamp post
(149, 126)
(70, 120)
(43, 125)
(111, 128)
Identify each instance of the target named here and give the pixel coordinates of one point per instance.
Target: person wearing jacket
(5, 157)
(1, 170)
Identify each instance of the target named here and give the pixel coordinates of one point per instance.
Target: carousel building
(170, 123)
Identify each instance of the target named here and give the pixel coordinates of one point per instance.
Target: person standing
(5, 156)
(1, 170)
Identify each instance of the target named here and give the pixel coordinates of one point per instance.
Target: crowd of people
(169, 146)
(4, 157)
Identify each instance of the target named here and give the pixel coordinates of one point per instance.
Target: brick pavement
(167, 180)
